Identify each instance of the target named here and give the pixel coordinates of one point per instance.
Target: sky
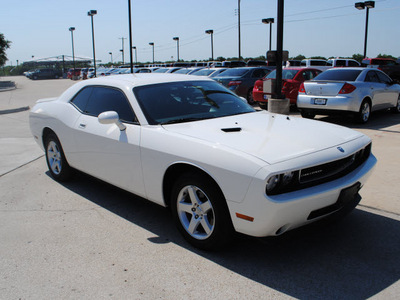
(311, 27)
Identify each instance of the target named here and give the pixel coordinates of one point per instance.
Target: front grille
(333, 170)
(316, 175)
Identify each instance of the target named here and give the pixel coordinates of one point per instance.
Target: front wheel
(200, 212)
(58, 166)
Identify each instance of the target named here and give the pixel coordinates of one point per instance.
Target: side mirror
(110, 117)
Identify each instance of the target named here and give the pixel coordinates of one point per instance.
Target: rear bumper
(335, 103)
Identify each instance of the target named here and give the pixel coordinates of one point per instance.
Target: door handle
(83, 126)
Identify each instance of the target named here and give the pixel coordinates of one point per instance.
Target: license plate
(265, 97)
(319, 101)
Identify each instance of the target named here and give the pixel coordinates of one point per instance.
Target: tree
(386, 56)
(318, 57)
(358, 57)
(4, 45)
(299, 57)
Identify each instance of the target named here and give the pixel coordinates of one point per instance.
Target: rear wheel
(396, 109)
(200, 211)
(263, 105)
(307, 114)
(55, 158)
(250, 98)
(364, 113)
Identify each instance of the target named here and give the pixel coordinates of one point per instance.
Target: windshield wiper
(182, 120)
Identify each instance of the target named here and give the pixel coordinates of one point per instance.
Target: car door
(391, 93)
(375, 89)
(104, 150)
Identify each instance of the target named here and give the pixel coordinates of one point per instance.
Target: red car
(291, 80)
(73, 73)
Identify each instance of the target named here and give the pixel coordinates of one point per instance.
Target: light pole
(211, 32)
(130, 35)
(111, 56)
(360, 6)
(92, 13)
(177, 45)
(134, 48)
(73, 52)
(269, 21)
(152, 44)
(240, 55)
(122, 50)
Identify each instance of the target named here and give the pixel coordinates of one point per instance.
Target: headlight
(282, 183)
(287, 178)
(272, 182)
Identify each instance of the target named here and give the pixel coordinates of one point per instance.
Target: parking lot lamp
(111, 56)
(92, 13)
(134, 48)
(177, 45)
(269, 21)
(152, 44)
(211, 32)
(361, 6)
(72, 38)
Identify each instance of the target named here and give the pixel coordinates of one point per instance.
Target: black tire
(396, 109)
(35, 77)
(307, 114)
(58, 166)
(200, 212)
(263, 105)
(364, 113)
(249, 97)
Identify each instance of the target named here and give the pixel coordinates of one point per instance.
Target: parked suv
(45, 74)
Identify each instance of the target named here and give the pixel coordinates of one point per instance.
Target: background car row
(310, 87)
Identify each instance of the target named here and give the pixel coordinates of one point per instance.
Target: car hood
(270, 137)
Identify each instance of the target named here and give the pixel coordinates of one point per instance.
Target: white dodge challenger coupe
(190, 144)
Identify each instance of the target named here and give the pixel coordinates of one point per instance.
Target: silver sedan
(356, 90)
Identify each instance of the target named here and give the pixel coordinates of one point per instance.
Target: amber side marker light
(244, 217)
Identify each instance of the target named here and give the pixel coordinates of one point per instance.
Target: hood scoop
(232, 129)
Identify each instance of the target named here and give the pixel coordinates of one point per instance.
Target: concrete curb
(7, 85)
(14, 110)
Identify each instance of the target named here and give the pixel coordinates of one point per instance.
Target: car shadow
(354, 258)
(379, 120)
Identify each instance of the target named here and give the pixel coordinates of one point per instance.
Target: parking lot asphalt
(89, 240)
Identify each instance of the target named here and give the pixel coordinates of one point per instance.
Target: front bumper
(273, 215)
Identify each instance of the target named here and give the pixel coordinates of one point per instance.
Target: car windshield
(339, 75)
(203, 72)
(177, 102)
(235, 72)
(182, 71)
(286, 74)
(162, 70)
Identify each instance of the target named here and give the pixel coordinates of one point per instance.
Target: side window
(340, 63)
(372, 77)
(307, 75)
(383, 78)
(258, 73)
(108, 99)
(81, 99)
(353, 64)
